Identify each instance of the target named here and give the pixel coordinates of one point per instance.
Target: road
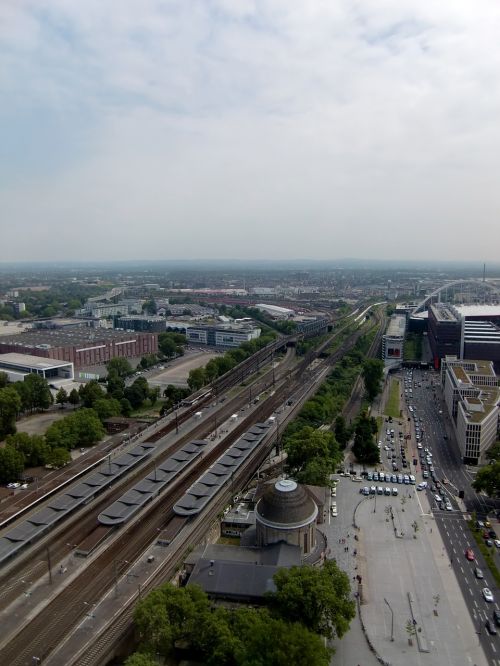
(430, 414)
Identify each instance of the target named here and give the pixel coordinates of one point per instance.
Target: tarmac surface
(406, 578)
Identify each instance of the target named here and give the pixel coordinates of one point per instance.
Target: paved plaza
(406, 581)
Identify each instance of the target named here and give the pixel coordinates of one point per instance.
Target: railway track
(47, 629)
(80, 526)
(43, 633)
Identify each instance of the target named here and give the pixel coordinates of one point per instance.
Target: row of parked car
(378, 490)
(392, 478)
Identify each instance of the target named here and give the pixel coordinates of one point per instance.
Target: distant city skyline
(233, 130)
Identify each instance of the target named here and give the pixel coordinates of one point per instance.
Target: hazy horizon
(222, 130)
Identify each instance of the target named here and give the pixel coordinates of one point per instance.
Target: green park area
(392, 404)
(413, 347)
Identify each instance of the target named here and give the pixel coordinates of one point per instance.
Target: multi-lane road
(430, 413)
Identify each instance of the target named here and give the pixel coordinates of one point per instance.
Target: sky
(249, 129)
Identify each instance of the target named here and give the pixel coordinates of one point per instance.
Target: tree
(488, 480)
(90, 392)
(154, 394)
(106, 408)
(33, 448)
(10, 406)
(81, 428)
(169, 614)
(342, 433)
(319, 598)
(141, 659)
(196, 379)
(150, 307)
(166, 344)
(34, 392)
(119, 366)
(373, 371)
(493, 453)
(115, 385)
(74, 397)
(265, 640)
(4, 379)
(58, 457)
(137, 393)
(126, 407)
(62, 397)
(364, 447)
(11, 464)
(312, 455)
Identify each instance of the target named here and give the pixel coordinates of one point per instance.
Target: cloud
(239, 129)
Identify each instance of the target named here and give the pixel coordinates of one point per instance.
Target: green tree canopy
(373, 372)
(221, 637)
(312, 455)
(80, 428)
(493, 453)
(169, 614)
(106, 408)
(166, 344)
(488, 479)
(137, 393)
(74, 397)
(119, 366)
(11, 464)
(62, 396)
(90, 392)
(196, 379)
(264, 640)
(141, 659)
(115, 385)
(317, 597)
(364, 447)
(342, 433)
(58, 457)
(34, 392)
(10, 406)
(4, 379)
(33, 448)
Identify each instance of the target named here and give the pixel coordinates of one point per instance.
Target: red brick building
(83, 347)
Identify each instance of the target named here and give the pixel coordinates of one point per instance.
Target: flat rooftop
(13, 327)
(444, 313)
(64, 338)
(488, 399)
(396, 327)
(37, 362)
(479, 310)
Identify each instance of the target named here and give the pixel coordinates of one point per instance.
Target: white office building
(393, 341)
(472, 397)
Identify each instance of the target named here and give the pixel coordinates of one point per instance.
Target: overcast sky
(145, 129)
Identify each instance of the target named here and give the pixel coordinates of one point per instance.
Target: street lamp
(392, 619)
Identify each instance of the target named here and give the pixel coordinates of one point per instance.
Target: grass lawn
(392, 404)
(488, 553)
(412, 347)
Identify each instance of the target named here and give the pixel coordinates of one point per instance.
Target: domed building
(286, 513)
